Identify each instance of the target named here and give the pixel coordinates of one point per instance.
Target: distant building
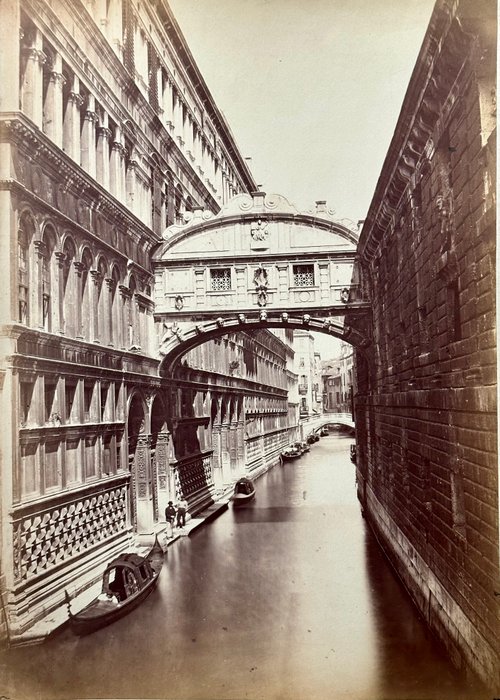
(338, 381)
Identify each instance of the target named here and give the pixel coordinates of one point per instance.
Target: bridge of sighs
(258, 263)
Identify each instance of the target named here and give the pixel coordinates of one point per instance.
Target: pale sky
(311, 89)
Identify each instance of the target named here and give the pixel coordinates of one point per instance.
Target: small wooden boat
(244, 491)
(127, 581)
(291, 452)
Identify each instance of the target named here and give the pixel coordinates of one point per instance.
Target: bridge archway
(179, 339)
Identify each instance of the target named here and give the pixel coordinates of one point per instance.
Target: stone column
(142, 466)
(37, 282)
(60, 257)
(162, 469)
(102, 153)
(78, 305)
(131, 199)
(32, 84)
(116, 175)
(95, 305)
(108, 310)
(125, 295)
(225, 454)
(216, 457)
(178, 121)
(71, 126)
(233, 449)
(53, 105)
(240, 446)
(88, 151)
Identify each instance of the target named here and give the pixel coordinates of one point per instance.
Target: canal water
(288, 598)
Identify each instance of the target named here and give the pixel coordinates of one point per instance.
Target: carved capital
(79, 267)
(125, 292)
(40, 248)
(33, 54)
(91, 116)
(96, 276)
(57, 78)
(76, 99)
(104, 133)
(61, 258)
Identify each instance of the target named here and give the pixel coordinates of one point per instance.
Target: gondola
(291, 452)
(127, 581)
(244, 491)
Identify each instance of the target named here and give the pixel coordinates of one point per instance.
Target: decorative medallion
(259, 233)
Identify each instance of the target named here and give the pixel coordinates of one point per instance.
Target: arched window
(69, 298)
(46, 277)
(24, 236)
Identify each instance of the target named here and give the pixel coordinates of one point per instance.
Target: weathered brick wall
(426, 404)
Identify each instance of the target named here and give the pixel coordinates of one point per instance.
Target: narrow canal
(288, 598)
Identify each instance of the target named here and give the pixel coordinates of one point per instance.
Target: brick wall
(426, 403)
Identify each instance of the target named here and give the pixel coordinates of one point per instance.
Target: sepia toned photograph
(249, 432)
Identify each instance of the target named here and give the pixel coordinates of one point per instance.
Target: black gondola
(127, 581)
(244, 491)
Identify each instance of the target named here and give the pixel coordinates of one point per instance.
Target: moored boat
(127, 581)
(291, 452)
(244, 491)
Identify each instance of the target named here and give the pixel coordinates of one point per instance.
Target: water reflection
(286, 598)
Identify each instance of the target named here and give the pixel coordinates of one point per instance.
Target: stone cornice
(40, 150)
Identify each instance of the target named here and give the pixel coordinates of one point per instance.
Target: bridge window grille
(220, 279)
(303, 275)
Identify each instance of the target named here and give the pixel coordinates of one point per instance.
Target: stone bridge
(258, 263)
(335, 419)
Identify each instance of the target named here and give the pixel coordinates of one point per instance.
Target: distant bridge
(335, 419)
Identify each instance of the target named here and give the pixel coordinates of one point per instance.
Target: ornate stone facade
(109, 135)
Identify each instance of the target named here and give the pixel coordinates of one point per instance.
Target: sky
(311, 89)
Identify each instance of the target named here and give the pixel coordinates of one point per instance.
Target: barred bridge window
(220, 279)
(303, 275)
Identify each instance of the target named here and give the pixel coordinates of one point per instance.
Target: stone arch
(179, 342)
(69, 301)
(27, 283)
(48, 277)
